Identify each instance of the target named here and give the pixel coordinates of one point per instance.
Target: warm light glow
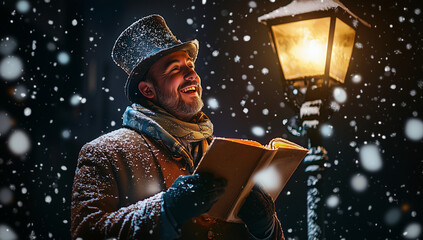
(313, 52)
(343, 42)
(302, 47)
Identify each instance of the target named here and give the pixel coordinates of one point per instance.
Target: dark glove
(257, 212)
(192, 195)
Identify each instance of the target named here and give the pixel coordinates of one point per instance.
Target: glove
(192, 195)
(257, 212)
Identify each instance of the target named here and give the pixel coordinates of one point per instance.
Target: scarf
(158, 124)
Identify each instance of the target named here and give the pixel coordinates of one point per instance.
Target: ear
(146, 89)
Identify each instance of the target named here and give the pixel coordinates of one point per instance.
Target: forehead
(172, 57)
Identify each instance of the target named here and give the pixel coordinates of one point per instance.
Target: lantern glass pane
(343, 43)
(302, 47)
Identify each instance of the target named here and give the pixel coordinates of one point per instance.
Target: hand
(192, 195)
(257, 212)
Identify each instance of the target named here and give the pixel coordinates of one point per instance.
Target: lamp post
(313, 41)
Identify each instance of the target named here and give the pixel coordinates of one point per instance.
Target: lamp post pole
(310, 115)
(315, 167)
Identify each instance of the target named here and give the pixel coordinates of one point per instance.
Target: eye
(176, 68)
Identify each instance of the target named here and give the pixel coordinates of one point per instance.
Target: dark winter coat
(118, 187)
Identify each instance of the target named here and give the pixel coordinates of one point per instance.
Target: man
(137, 182)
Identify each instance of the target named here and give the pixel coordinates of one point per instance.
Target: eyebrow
(176, 61)
(170, 63)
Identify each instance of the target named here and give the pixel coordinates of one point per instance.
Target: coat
(118, 186)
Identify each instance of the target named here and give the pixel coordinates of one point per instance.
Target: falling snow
(370, 158)
(61, 89)
(23, 6)
(258, 131)
(19, 142)
(213, 103)
(359, 183)
(268, 178)
(414, 129)
(11, 68)
(332, 201)
(340, 95)
(63, 58)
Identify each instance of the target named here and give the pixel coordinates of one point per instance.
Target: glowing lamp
(313, 40)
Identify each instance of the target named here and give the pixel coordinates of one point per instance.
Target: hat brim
(140, 71)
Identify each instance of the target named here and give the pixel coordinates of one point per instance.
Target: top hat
(140, 45)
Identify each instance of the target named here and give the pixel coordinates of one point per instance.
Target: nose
(190, 74)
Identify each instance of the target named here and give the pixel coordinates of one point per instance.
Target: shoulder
(121, 140)
(119, 137)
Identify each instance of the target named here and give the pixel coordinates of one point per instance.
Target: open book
(245, 162)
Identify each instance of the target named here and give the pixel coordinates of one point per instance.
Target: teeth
(188, 89)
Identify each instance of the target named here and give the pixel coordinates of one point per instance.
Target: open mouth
(189, 89)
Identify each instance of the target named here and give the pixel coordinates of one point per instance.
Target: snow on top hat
(142, 44)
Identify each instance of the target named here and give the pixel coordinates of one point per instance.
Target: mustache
(190, 83)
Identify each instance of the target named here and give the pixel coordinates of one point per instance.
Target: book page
(283, 143)
(284, 163)
(263, 163)
(233, 161)
(245, 141)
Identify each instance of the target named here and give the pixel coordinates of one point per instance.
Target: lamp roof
(305, 6)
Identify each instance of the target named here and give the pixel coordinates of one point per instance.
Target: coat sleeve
(95, 211)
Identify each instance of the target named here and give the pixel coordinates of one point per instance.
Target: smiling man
(173, 84)
(137, 182)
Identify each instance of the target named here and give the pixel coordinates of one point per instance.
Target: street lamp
(313, 41)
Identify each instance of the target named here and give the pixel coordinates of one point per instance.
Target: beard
(173, 103)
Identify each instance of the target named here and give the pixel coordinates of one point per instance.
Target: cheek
(174, 89)
(169, 85)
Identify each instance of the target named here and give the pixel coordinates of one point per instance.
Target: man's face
(176, 84)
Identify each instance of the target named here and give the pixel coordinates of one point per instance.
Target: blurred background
(61, 89)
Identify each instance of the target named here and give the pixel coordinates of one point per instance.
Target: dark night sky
(60, 106)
